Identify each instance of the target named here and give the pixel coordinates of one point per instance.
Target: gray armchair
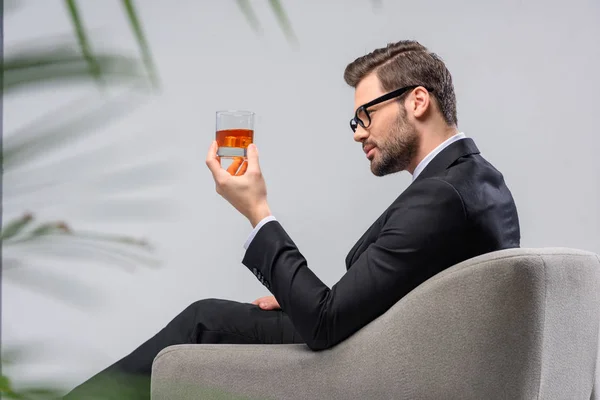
(513, 324)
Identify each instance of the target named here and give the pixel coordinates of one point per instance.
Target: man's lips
(368, 150)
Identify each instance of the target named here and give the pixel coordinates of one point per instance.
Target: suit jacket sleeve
(422, 224)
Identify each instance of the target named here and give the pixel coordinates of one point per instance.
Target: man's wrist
(259, 215)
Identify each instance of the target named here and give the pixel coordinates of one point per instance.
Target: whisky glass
(235, 131)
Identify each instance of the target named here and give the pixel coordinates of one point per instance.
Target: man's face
(390, 141)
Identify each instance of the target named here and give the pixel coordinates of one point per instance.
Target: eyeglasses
(362, 117)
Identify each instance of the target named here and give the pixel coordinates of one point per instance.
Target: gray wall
(526, 79)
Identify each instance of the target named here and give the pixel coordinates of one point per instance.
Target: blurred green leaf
(15, 226)
(41, 394)
(35, 393)
(37, 139)
(50, 228)
(15, 355)
(84, 43)
(248, 11)
(136, 25)
(36, 66)
(92, 238)
(63, 64)
(118, 250)
(280, 14)
(118, 246)
(4, 383)
(7, 391)
(72, 247)
(100, 237)
(283, 20)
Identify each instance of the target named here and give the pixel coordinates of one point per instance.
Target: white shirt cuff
(257, 228)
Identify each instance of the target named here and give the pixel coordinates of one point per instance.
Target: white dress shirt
(418, 170)
(435, 152)
(256, 228)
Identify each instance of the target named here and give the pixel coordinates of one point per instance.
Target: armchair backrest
(518, 323)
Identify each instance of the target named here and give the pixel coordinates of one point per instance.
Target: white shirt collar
(435, 152)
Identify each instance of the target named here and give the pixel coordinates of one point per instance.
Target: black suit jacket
(457, 208)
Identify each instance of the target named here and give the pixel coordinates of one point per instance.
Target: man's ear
(420, 102)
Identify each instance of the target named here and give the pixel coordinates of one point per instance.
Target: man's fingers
(253, 158)
(213, 162)
(243, 169)
(267, 305)
(235, 165)
(259, 300)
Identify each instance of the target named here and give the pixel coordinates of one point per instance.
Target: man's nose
(360, 134)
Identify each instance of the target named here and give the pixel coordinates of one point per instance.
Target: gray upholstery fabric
(513, 324)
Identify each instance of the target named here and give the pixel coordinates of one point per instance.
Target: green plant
(65, 62)
(61, 63)
(280, 14)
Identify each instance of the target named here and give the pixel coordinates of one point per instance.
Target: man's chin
(378, 170)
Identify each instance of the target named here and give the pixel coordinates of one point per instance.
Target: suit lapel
(437, 165)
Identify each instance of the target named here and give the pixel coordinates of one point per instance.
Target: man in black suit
(457, 207)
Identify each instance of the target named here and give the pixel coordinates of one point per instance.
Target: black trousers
(205, 321)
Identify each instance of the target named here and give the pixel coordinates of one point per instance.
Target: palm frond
(16, 226)
(37, 139)
(246, 9)
(62, 65)
(84, 43)
(283, 20)
(76, 245)
(138, 31)
(57, 234)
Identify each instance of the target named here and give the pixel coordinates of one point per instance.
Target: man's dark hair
(407, 63)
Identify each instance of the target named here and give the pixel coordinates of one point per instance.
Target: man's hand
(245, 189)
(267, 303)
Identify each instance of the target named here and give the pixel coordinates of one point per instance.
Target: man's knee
(212, 309)
(214, 314)
(202, 306)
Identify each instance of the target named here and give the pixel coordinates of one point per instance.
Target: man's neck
(428, 143)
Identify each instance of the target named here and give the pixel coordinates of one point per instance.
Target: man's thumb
(253, 157)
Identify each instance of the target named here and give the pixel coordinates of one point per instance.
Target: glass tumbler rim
(237, 113)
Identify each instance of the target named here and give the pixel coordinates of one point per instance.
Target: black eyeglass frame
(355, 121)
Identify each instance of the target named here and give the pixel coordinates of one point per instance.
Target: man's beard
(396, 153)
